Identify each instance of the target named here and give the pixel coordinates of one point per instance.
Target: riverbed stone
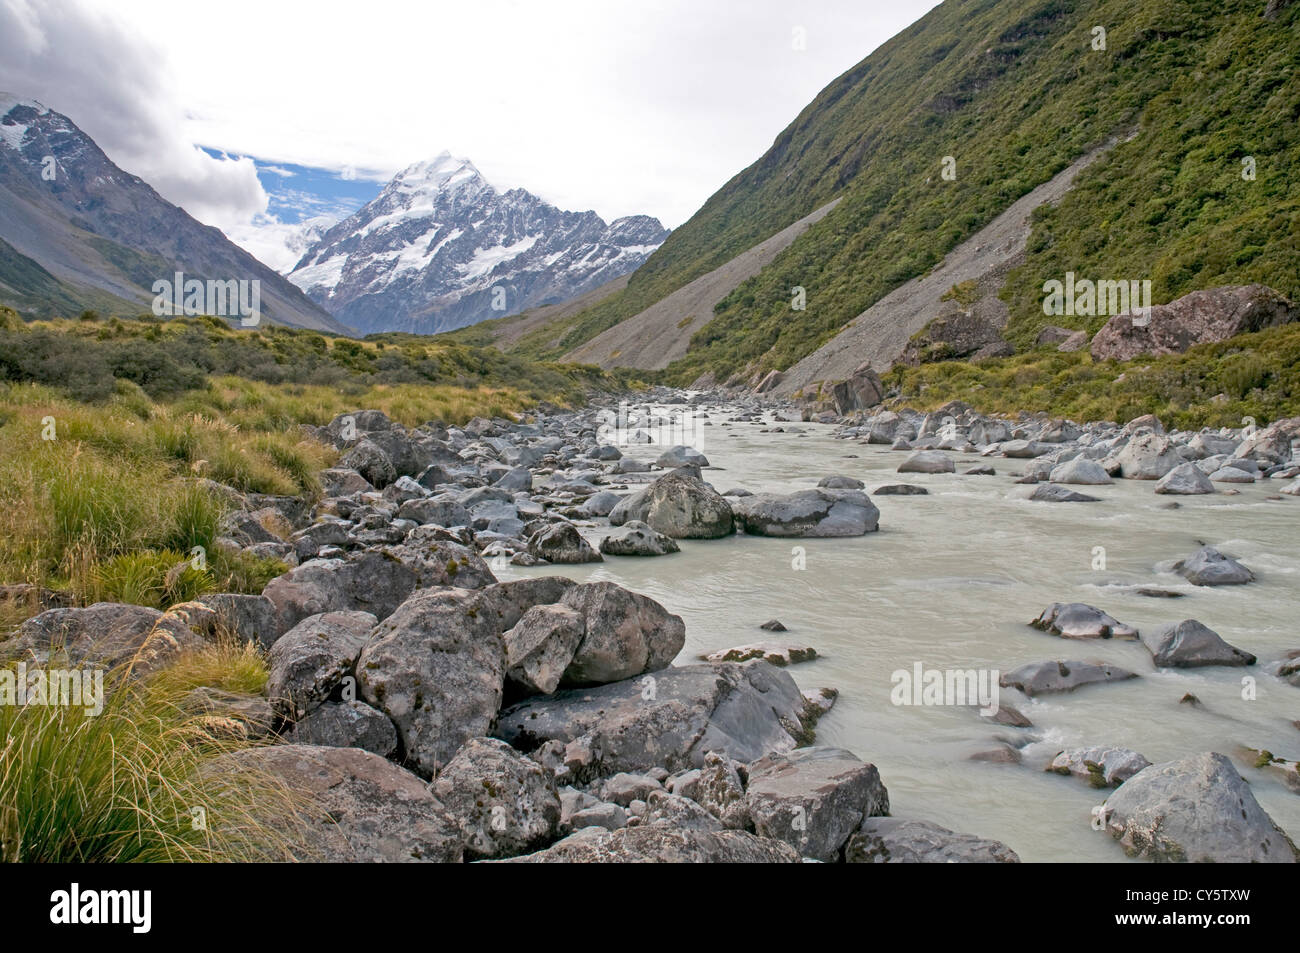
(1190, 644)
(662, 845)
(897, 840)
(1195, 810)
(436, 667)
(928, 461)
(808, 513)
(1099, 766)
(1209, 567)
(1051, 677)
(1185, 480)
(624, 634)
(309, 662)
(1076, 620)
(635, 538)
(814, 798)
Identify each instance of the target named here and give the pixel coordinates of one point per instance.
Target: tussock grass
(137, 781)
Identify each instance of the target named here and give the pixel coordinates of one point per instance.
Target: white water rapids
(951, 581)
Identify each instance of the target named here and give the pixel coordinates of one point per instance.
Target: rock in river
(808, 513)
(1046, 678)
(1075, 620)
(1195, 810)
(1189, 644)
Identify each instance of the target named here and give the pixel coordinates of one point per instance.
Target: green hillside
(1013, 92)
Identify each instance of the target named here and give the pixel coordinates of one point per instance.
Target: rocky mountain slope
(939, 131)
(440, 249)
(78, 232)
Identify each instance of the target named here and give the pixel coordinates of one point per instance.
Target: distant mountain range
(441, 249)
(77, 232)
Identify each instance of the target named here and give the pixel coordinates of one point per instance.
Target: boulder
(1047, 678)
(895, 840)
(901, 489)
(1075, 620)
(562, 543)
(104, 635)
(808, 513)
(1051, 493)
(840, 483)
(436, 667)
(720, 791)
(677, 812)
(1185, 480)
(1080, 471)
(669, 719)
(309, 662)
(359, 806)
(1209, 567)
(653, 844)
(862, 390)
(679, 506)
(362, 582)
(1101, 767)
(777, 653)
(814, 798)
(346, 724)
(369, 459)
(437, 561)
(1189, 644)
(625, 634)
(928, 461)
(681, 456)
(1194, 810)
(505, 803)
(635, 538)
(1213, 314)
(1146, 456)
(540, 647)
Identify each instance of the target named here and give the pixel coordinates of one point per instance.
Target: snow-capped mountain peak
(440, 248)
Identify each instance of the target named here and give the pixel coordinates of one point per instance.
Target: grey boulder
(1189, 644)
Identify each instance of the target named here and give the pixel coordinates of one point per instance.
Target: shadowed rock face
(1214, 314)
(670, 719)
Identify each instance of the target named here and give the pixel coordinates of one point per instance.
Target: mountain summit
(77, 232)
(440, 249)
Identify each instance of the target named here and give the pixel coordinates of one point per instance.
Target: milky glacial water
(951, 580)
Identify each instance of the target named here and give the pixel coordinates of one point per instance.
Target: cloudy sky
(621, 107)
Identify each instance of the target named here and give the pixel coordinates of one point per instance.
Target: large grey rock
(362, 582)
(1100, 766)
(677, 812)
(369, 459)
(1080, 471)
(1189, 644)
(625, 634)
(814, 798)
(435, 512)
(310, 661)
(815, 512)
(681, 456)
(928, 461)
(562, 543)
(653, 844)
(635, 538)
(1194, 810)
(359, 807)
(1051, 493)
(1075, 620)
(1046, 678)
(778, 653)
(669, 719)
(863, 389)
(540, 647)
(1146, 456)
(104, 635)
(1185, 480)
(506, 803)
(679, 506)
(440, 562)
(895, 840)
(1210, 314)
(436, 667)
(1209, 567)
(720, 791)
(347, 724)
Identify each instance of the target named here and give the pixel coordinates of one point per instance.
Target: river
(951, 581)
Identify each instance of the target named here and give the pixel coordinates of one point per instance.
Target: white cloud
(624, 108)
(115, 85)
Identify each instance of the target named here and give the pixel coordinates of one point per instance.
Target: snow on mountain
(440, 248)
